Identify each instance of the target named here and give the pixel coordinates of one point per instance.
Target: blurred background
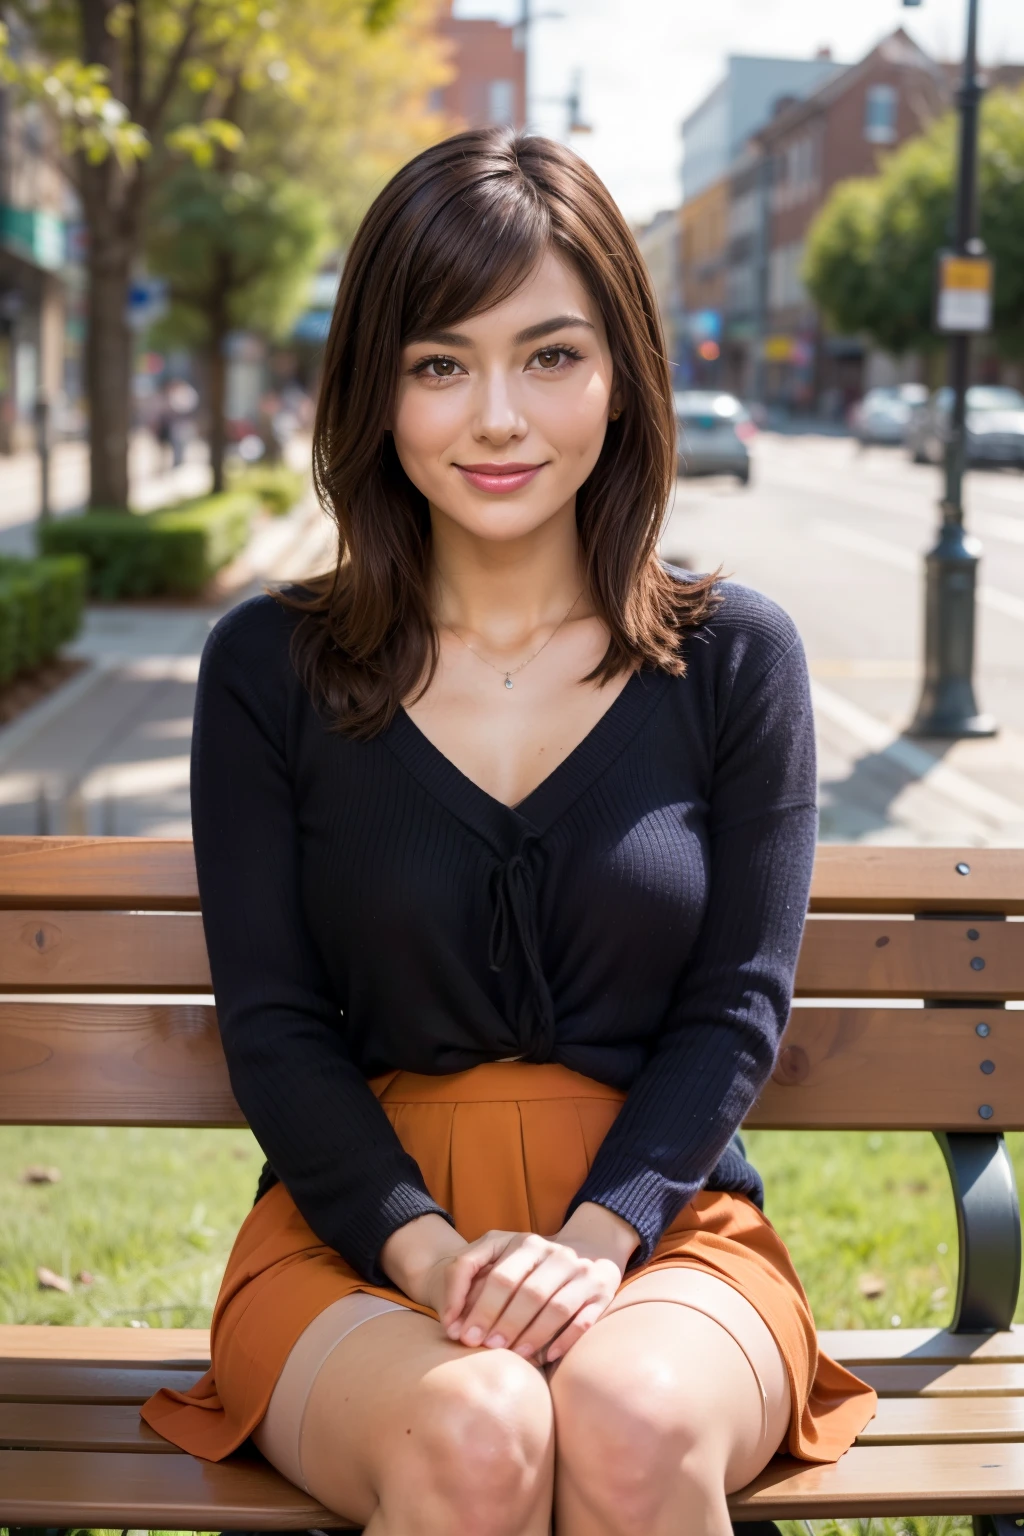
(179, 180)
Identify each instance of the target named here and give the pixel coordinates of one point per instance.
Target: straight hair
(453, 234)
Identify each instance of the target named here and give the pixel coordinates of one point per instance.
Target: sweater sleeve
(318, 1122)
(718, 1045)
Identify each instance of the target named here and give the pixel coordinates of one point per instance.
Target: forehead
(551, 288)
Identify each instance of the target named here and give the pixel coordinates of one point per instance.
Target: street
(834, 534)
(837, 536)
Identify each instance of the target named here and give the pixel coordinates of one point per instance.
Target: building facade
(660, 244)
(489, 84)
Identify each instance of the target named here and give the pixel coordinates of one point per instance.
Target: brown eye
(549, 357)
(443, 367)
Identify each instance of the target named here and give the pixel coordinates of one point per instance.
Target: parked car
(995, 426)
(714, 430)
(884, 414)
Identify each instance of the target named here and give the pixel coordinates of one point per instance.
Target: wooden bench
(121, 916)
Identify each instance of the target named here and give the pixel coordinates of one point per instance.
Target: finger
(461, 1273)
(530, 1297)
(584, 1320)
(559, 1311)
(516, 1268)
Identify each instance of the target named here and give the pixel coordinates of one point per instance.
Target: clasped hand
(515, 1290)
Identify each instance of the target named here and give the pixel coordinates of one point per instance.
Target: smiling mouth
(499, 477)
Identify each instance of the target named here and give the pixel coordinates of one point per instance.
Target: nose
(499, 416)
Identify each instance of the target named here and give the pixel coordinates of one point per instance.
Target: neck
(504, 590)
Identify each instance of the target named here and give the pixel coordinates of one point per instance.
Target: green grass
(152, 1214)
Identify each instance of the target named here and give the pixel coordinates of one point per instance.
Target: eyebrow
(531, 333)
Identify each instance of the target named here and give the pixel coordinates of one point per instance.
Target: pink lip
(500, 478)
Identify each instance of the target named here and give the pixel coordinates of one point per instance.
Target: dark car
(714, 429)
(995, 427)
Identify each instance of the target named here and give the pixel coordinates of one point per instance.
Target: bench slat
(48, 1381)
(888, 1480)
(122, 1490)
(158, 874)
(879, 1346)
(869, 957)
(78, 1427)
(106, 1346)
(50, 951)
(857, 878)
(137, 873)
(984, 1378)
(941, 1420)
(162, 1064)
(897, 1068)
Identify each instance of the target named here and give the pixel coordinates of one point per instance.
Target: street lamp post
(947, 706)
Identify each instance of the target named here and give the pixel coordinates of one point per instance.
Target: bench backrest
(119, 917)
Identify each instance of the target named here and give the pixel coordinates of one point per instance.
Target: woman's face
(499, 421)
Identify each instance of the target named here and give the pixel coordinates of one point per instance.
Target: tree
(138, 87)
(871, 251)
(237, 251)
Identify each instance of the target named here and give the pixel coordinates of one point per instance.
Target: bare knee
(478, 1447)
(635, 1443)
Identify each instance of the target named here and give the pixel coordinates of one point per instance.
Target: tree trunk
(108, 367)
(217, 371)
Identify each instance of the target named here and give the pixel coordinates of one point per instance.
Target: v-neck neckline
(610, 734)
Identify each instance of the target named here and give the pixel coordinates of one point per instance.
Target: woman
(504, 834)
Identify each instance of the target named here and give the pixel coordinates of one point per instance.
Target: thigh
(375, 1406)
(689, 1355)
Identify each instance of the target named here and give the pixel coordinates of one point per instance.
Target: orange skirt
(504, 1145)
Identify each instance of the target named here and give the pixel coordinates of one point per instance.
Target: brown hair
(454, 233)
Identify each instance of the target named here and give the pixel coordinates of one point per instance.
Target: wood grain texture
(79, 1427)
(45, 1381)
(897, 1069)
(50, 951)
(106, 1346)
(942, 1421)
(122, 1490)
(879, 1346)
(870, 957)
(983, 1378)
(141, 873)
(104, 1064)
(855, 878)
(889, 1480)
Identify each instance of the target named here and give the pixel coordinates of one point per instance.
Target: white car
(714, 430)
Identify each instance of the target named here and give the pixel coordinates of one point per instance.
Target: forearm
(414, 1252)
(600, 1230)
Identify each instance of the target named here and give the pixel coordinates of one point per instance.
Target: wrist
(601, 1228)
(413, 1250)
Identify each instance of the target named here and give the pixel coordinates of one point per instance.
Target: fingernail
(472, 1336)
(496, 1341)
(553, 1355)
(454, 1331)
(526, 1350)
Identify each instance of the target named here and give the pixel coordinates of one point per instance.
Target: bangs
(472, 253)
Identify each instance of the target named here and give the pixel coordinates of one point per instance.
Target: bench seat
(949, 1435)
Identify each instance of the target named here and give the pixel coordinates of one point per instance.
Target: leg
(408, 1434)
(660, 1412)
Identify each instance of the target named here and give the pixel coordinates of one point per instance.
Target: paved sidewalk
(108, 753)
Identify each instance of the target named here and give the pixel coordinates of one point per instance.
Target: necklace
(505, 672)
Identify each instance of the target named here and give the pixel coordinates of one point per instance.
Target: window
(501, 101)
(880, 114)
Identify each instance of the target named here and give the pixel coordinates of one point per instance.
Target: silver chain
(506, 672)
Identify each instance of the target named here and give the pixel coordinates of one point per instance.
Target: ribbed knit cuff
(634, 1191)
(367, 1231)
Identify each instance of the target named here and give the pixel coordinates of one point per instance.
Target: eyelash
(420, 369)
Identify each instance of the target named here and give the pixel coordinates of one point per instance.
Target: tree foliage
(871, 251)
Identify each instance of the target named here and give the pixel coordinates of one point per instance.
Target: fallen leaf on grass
(940, 1293)
(85, 1278)
(37, 1174)
(48, 1281)
(871, 1286)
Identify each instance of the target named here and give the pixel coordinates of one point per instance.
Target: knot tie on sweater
(514, 927)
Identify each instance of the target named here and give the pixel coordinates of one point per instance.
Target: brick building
(489, 85)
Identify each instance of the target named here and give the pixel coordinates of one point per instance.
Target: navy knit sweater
(636, 918)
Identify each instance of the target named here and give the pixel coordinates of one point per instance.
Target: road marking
(905, 560)
(922, 765)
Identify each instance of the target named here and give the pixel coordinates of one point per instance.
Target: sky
(645, 64)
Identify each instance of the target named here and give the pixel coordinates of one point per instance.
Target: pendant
(508, 681)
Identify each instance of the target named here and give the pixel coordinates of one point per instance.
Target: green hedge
(174, 550)
(41, 604)
(277, 486)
